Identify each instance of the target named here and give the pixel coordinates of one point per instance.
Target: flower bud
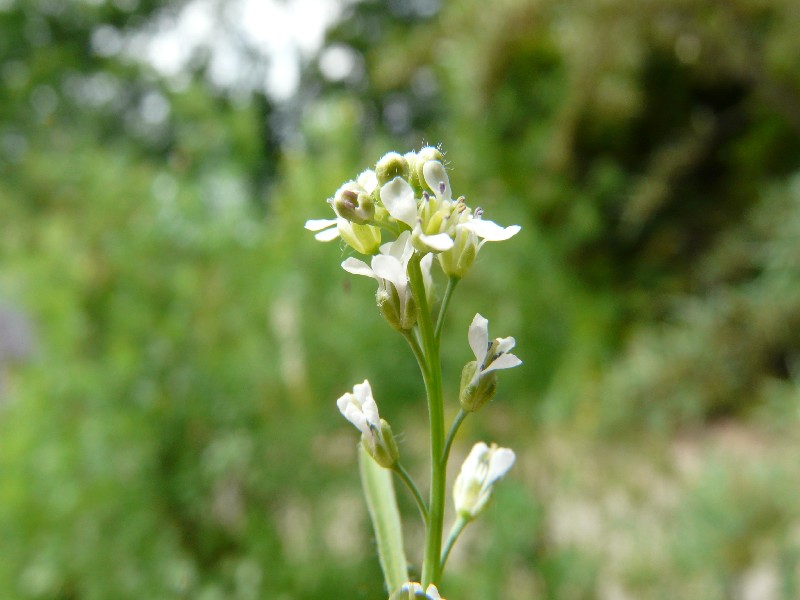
(476, 388)
(353, 203)
(423, 156)
(390, 166)
(399, 311)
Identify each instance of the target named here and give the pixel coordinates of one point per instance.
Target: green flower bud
(351, 202)
(390, 166)
(423, 156)
(411, 159)
(399, 312)
(474, 394)
(382, 447)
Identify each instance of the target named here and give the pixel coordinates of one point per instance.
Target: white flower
(360, 408)
(390, 269)
(489, 356)
(474, 484)
(413, 590)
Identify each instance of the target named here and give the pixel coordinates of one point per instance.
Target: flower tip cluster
(360, 408)
(414, 591)
(473, 487)
(479, 377)
(410, 192)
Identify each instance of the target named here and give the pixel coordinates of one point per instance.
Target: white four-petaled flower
(489, 356)
(474, 484)
(390, 267)
(360, 409)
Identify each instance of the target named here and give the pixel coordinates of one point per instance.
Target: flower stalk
(401, 216)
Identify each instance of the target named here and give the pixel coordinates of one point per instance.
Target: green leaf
(382, 505)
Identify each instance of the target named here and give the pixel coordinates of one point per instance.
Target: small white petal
(358, 267)
(362, 391)
(317, 224)
(474, 458)
(479, 338)
(435, 174)
(501, 461)
(368, 180)
(399, 248)
(398, 198)
(389, 268)
(505, 344)
(491, 231)
(504, 361)
(433, 593)
(328, 235)
(436, 243)
(343, 401)
(427, 279)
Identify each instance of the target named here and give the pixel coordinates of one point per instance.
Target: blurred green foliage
(167, 425)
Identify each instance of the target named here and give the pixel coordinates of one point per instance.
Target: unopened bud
(426, 154)
(354, 204)
(399, 312)
(390, 166)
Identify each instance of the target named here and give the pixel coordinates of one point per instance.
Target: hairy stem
(433, 385)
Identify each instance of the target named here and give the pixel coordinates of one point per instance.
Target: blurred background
(172, 340)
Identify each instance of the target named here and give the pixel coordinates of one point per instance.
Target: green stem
(456, 530)
(462, 414)
(433, 385)
(418, 354)
(403, 474)
(451, 286)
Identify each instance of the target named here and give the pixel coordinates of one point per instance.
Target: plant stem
(462, 414)
(403, 474)
(433, 385)
(451, 286)
(456, 530)
(418, 354)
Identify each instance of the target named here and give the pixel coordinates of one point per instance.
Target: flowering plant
(402, 216)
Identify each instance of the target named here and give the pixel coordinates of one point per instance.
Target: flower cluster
(411, 193)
